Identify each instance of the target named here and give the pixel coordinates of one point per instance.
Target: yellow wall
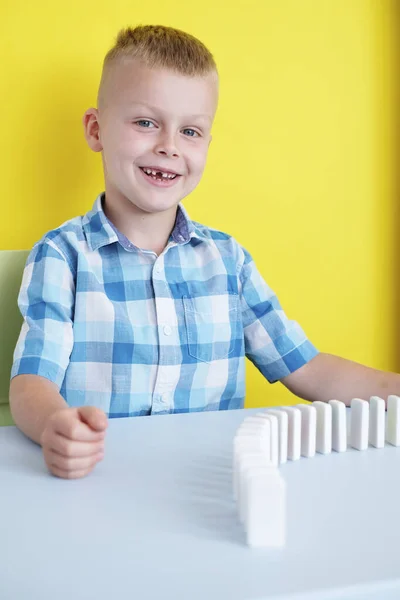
(301, 169)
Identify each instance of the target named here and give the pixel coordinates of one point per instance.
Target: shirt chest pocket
(212, 326)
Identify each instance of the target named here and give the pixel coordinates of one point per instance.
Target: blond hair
(158, 46)
(163, 47)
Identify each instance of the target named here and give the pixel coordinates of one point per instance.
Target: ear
(91, 128)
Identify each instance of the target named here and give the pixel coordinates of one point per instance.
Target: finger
(69, 474)
(64, 463)
(94, 417)
(73, 429)
(73, 449)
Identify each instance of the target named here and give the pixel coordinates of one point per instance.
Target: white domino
(324, 427)
(259, 428)
(282, 417)
(294, 432)
(274, 450)
(256, 422)
(265, 508)
(241, 451)
(393, 421)
(359, 424)
(308, 429)
(339, 426)
(252, 440)
(377, 422)
(246, 462)
(249, 442)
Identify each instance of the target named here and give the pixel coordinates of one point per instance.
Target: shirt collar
(100, 231)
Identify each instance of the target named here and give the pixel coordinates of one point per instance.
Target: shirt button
(158, 269)
(167, 330)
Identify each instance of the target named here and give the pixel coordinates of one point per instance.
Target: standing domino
(294, 432)
(243, 448)
(308, 430)
(274, 452)
(393, 420)
(377, 422)
(339, 426)
(359, 424)
(282, 417)
(246, 462)
(256, 421)
(324, 427)
(265, 508)
(250, 440)
(254, 439)
(254, 428)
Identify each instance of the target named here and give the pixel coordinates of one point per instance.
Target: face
(153, 127)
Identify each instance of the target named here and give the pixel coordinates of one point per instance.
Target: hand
(73, 441)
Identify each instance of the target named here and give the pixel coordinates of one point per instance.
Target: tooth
(154, 172)
(165, 175)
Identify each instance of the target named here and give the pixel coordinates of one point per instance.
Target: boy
(134, 309)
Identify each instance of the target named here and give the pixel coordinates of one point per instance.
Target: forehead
(132, 83)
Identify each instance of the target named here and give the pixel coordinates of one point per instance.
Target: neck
(148, 231)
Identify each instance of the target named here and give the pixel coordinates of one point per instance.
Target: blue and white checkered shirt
(135, 333)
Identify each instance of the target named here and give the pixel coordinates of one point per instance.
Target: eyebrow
(156, 109)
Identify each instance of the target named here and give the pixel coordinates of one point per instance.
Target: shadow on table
(211, 509)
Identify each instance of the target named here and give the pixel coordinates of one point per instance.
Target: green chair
(12, 264)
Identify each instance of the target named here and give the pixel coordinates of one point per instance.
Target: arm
(46, 302)
(280, 350)
(72, 439)
(33, 399)
(327, 377)
(276, 345)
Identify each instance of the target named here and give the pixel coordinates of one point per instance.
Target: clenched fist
(73, 441)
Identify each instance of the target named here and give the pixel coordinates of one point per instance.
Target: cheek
(199, 159)
(122, 142)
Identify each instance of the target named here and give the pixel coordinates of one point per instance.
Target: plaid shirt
(135, 333)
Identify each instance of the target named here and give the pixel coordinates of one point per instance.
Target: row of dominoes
(258, 487)
(268, 439)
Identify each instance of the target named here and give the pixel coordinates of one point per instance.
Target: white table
(157, 520)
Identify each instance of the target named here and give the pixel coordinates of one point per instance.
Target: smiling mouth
(159, 175)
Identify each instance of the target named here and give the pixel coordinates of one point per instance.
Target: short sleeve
(46, 301)
(276, 345)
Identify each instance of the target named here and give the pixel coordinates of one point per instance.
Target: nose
(166, 146)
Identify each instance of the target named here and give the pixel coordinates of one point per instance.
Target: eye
(191, 133)
(144, 123)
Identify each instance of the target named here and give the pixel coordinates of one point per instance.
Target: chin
(157, 204)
